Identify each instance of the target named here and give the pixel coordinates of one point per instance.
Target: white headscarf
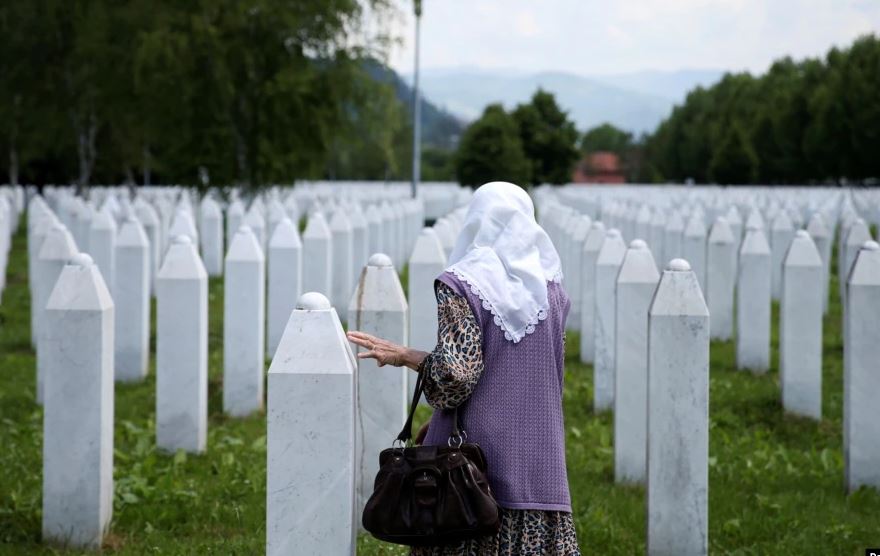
(506, 258)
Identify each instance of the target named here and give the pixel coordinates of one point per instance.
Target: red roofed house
(599, 167)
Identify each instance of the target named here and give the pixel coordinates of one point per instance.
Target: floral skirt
(523, 533)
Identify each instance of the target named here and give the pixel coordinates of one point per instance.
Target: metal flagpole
(417, 109)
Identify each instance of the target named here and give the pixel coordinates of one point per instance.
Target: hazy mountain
(633, 101)
(440, 128)
(673, 85)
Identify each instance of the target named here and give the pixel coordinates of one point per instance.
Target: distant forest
(812, 121)
(161, 91)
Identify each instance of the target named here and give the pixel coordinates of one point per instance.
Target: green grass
(776, 482)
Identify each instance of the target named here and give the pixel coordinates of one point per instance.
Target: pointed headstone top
(380, 260)
(317, 227)
(866, 268)
(181, 239)
(132, 234)
(638, 244)
(58, 244)
(802, 251)
(103, 220)
(81, 259)
(782, 221)
(313, 301)
(678, 265)
(80, 287)
(721, 232)
(285, 235)
(244, 246)
(638, 266)
(678, 294)
(428, 248)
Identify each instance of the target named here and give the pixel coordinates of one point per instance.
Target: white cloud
(597, 36)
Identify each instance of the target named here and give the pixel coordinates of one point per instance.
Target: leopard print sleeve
(454, 367)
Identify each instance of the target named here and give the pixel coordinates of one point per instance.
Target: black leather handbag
(431, 495)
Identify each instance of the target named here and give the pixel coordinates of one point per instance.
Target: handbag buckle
(456, 440)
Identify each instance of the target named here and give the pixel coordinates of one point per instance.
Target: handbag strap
(406, 433)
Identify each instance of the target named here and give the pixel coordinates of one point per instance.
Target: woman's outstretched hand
(385, 352)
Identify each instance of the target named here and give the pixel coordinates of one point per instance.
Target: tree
(606, 137)
(734, 161)
(491, 150)
(548, 139)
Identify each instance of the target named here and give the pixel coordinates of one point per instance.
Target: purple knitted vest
(515, 412)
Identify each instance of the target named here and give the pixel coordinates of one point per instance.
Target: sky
(593, 37)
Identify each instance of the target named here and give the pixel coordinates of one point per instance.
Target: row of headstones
(315, 359)
(619, 286)
(181, 411)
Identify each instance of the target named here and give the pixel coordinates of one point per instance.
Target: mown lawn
(776, 482)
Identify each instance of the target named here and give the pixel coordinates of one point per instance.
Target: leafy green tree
(491, 150)
(734, 162)
(548, 139)
(607, 137)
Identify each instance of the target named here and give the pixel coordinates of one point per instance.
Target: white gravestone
(818, 230)
(310, 462)
(244, 317)
(781, 234)
(78, 408)
(285, 278)
(360, 241)
(673, 238)
(636, 283)
(574, 277)
(343, 248)
(378, 307)
(212, 236)
(678, 415)
(182, 349)
(695, 246)
(753, 302)
(592, 244)
(861, 378)
(150, 221)
(317, 255)
(374, 230)
(132, 298)
(257, 223)
(234, 218)
(57, 250)
(721, 278)
(426, 263)
(800, 328)
(607, 266)
(102, 245)
(856, 236)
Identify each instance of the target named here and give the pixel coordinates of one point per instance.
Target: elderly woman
(499, 359)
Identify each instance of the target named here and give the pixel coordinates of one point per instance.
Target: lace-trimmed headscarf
(506, 258)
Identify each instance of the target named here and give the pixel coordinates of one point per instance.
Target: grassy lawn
(776, 482)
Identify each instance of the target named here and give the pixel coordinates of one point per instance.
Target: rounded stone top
(131, 218)
(638, 244)
(181, 239)
(871, 246)
(598, 225)
(753, 226)
(379, 259)
(613, 232)
(678, 265)
(244, 229)
(801, 234)
(312, 301)
(81, 259)
(57, 227)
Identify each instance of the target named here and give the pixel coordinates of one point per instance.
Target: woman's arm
(385, 352)
(453, 368)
